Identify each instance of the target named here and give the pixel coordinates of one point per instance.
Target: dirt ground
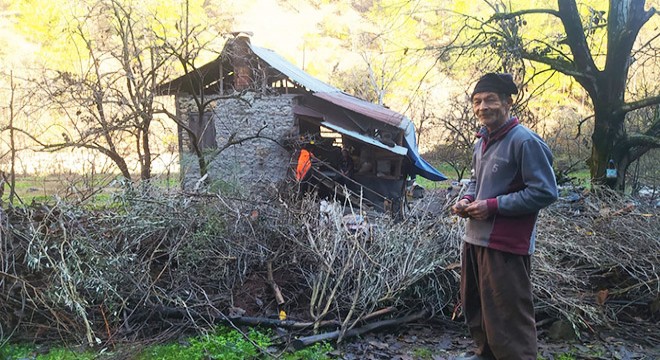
(444, 340)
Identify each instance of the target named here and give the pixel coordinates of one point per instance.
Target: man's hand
(478, 210)
(460, 208)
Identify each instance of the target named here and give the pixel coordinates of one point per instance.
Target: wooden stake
(276, 289)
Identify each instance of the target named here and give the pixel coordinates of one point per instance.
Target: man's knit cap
(497, 83)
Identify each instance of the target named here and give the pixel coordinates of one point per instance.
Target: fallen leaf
(582, 348)
(601, 297)
(379, 345)
(403, 357)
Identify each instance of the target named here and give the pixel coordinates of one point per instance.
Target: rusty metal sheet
(374, 111)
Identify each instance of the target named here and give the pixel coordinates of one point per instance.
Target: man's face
(490, 109)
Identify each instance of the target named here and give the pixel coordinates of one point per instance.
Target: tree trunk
(609, 131)
(121, 164)
(118, 160)
(12, 141)
(145, 162)
(607, 88)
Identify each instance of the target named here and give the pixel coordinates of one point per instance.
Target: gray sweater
(512, 171)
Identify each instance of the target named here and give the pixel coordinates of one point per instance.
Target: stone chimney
(240, 54)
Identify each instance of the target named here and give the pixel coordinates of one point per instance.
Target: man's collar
(500, 131)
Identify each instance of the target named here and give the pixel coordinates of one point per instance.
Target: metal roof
(328, 92)
(293, 72)
(349, 102)
(396, 149)
(365, 108)
(332, 123)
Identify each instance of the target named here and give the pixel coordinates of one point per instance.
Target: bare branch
(519, 13)
(628, 107)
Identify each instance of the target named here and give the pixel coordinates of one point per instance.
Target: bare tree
(11, 108)
(185, 47)
(108, 103)
(12, 140)
(574, 47)
(458, 126)
(19, 98)
(376, 77)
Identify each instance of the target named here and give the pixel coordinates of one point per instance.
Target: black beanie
(497, 83)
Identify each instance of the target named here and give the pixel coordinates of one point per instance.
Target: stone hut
(249, 111)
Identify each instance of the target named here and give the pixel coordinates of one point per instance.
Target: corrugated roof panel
(306, 111)
(396, 149)
(365, 108)
(293, 72)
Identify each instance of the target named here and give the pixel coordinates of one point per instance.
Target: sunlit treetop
(64, 29)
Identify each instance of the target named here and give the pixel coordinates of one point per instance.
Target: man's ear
(509, 101)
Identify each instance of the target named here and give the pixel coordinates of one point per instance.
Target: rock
(562, 330)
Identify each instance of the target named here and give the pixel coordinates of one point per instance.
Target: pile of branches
(151, 266)
(597, 263)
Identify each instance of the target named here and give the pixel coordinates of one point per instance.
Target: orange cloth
(304, 164)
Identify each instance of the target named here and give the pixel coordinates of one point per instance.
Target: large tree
(597, 48)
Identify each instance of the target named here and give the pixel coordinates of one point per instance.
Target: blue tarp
(420, 166)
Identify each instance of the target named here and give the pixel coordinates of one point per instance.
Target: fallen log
(377, 313)
(303, 342)
(165, 312)
(287, 324)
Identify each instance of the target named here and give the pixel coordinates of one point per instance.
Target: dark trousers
(496, 292)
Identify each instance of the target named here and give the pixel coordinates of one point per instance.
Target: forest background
(78, 109)
(416, 58)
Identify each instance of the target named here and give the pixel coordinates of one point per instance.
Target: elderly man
(512, 179)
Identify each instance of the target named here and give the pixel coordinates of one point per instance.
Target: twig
(276, 289)
(303, 342)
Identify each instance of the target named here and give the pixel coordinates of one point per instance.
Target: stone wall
(256, 162)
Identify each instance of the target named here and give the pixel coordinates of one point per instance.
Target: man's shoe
(473, 357)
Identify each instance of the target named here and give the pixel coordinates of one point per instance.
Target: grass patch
(229, 344)
(90, 189)
(16, 352)
(580, 178)
(224, 343)
(423, 354)
(428, 184)
(564, 356)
